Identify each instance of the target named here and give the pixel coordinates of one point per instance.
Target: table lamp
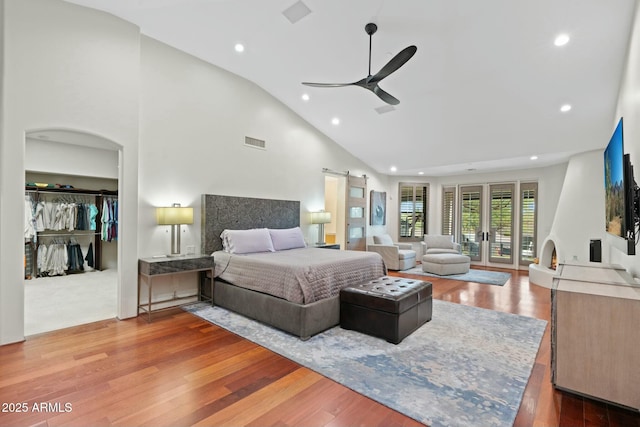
(174, 216)
(321, 218)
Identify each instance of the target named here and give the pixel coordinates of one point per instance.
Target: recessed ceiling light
(393, 168)
(335, 121)
(239, 47)
(565, 108)
(305, 96)
(420, 173)
(561, 39)
(534, 157)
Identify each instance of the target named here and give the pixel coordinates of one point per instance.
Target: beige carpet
(62, 301)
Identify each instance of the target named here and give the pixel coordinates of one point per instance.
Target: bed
(296, 290)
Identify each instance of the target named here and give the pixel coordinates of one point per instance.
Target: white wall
(69, 159)
(194, 119)
(629, 108)
(581, 214)
(193, 122)
(65, 67)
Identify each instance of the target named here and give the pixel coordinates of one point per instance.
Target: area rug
(479, 276)
(466, 367)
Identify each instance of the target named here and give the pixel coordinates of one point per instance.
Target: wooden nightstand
(153, 267)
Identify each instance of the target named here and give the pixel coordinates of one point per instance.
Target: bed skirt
(303, 321)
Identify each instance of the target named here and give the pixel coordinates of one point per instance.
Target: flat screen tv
(620, 190)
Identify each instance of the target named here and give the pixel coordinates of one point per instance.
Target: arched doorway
(73, 176)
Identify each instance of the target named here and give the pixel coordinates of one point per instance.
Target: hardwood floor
(180, 370)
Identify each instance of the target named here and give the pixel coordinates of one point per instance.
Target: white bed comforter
(301, 275)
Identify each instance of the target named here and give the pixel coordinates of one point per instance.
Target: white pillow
(287, 238)
(247, 241)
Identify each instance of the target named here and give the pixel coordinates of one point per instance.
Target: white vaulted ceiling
(483, 91)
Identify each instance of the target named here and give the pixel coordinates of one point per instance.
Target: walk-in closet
(71, 233)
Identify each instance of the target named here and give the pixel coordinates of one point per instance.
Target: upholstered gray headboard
(241, 213)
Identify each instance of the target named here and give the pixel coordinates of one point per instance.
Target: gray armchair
(439, 244)
(396, 256)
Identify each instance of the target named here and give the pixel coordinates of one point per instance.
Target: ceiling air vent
(255, 143)
(296, 12)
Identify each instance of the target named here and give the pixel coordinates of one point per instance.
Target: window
(414, 199)
(448, 211)
(528, 229)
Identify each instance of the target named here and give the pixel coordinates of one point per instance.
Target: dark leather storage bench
(388, 307)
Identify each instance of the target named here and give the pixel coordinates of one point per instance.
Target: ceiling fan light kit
(371, 81)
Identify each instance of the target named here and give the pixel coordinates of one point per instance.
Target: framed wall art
(378, 208)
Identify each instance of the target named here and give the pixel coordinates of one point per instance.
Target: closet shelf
(34, 189)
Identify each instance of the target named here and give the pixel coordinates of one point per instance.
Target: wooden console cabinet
(595, 333)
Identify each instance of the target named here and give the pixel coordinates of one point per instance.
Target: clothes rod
(66, 191)
(67, 234)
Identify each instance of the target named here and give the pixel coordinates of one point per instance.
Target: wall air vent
(255, 143)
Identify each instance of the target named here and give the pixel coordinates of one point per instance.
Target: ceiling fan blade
(327, 84)
(386, 97)
(396, 62)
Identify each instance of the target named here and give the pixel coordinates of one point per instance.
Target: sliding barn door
(356, 207)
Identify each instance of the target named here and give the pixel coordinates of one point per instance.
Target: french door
(487, 223)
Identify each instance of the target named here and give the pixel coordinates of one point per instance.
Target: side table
(153, 267)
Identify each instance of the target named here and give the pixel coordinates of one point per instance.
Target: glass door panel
(528, 229)
(471, 235)
(356, 205)
(501, 223)
(356, 192)
(356, 212)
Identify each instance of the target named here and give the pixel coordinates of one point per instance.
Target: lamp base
(175, 255)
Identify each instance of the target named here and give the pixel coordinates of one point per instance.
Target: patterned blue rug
(479, 276)
(466, 367)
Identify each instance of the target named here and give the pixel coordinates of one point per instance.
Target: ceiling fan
(371, 81)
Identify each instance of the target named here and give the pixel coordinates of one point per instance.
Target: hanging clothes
(89, 258)
(114, 219)
(81, 222)
(93, 213)
(28, 260)
(29, 220)
(75, 259)
(41, 260)
(104, 220)
(52, 259)
(109, 229)
(39, 216)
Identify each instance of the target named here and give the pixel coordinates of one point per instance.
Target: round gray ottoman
(445, 264)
